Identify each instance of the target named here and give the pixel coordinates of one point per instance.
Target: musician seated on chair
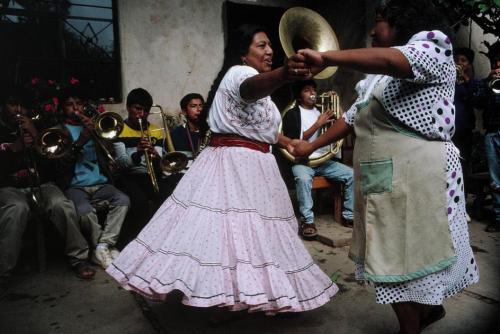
(134, 178)
(23, 174)
(186, 137)
(85, 177)
(304, 121)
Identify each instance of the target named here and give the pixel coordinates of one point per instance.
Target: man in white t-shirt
(304, 121)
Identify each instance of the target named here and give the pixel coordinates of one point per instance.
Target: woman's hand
(301, 148)
(296, 69)
(313, 60)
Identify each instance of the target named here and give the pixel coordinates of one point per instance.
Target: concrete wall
(173, 47)
(170, 47)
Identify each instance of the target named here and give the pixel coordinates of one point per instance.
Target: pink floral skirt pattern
(226, 237)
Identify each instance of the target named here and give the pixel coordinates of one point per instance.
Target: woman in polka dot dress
(410, 236)
(227, 236)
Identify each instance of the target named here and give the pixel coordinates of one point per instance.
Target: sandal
(84, 270)
(308, 231)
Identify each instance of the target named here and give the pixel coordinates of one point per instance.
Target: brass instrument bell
(301, 28)
(173, 161)
(53, 143)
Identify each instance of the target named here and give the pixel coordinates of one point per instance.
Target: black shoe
(4, 283)
(347, 223)
(436, 313)
(493, 227)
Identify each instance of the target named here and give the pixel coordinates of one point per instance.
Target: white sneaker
(114, 253)
(102, 257)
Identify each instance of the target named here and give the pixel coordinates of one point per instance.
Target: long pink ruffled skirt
(226, 237)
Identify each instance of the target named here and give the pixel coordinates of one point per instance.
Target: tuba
(300, 28)
(173, 161)
(324, 102)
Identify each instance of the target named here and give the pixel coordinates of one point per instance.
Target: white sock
(102, 245)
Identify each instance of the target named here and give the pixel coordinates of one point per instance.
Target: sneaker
(102, 257)
(114, 253)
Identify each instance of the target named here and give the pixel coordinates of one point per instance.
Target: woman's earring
(244, 62)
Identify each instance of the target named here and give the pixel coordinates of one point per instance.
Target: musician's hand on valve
(27, 125)
(28, 139)
(143, 145)
(88, 126)
(325, 118)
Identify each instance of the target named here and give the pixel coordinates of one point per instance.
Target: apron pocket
(376, 176)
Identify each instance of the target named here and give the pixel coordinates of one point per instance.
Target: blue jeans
(332, 170)
(492, 147)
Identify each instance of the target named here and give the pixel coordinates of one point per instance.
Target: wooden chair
(321, 182)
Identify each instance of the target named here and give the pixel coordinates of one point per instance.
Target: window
(61, 39)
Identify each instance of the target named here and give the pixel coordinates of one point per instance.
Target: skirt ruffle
(218, 252)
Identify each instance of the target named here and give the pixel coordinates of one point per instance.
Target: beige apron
(401, 227)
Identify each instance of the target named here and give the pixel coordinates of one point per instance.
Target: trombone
(54, 142)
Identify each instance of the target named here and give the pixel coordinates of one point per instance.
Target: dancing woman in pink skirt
(227, 236)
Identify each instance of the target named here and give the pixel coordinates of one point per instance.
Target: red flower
(74, 81)
(51, 82)
(35, 81)
(47, 107)
(100, 109)
(55, 100)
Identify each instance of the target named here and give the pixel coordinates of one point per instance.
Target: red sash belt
(218, 139)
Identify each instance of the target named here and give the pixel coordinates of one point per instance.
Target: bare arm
(263, 84)
(338, 130)
(388, 61)
(283, 141)
(323, 119)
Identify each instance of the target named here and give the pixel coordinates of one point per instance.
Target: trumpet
(494, 84)
(30, 163)
(460, 74)
(149, 158)
(173, 161)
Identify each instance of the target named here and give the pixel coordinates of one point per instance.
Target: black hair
(299, 85)
(494, 52)
(15, 94)
(239, 42)
(140, 96)
(411, 17)
(191, 96)
(71, 91)
(466, 52)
